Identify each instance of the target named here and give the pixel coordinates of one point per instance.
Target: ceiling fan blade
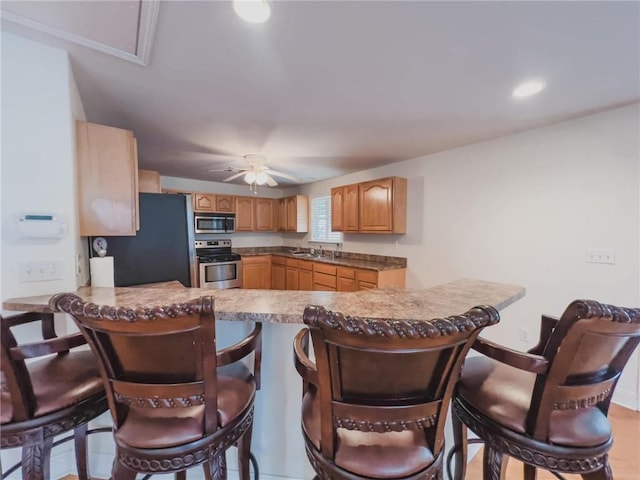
(283, 175)
(234, 176)
(271, 181)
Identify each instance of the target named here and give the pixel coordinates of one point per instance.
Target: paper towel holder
(100, 246)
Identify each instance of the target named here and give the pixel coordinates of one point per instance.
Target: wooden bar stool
(375, 401)
(175, 401)
(60, 392)
(547, 407)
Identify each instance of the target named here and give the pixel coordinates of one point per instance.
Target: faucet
(320, 251)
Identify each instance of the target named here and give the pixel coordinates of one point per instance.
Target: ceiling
(330, 87)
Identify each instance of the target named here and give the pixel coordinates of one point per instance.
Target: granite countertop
(286, 306)
(346, 259)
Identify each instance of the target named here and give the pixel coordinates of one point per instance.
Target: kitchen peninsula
(278, 403)
(284, 306)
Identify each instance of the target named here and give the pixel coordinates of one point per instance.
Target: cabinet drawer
(278, 260)
(305, 265)
(345, 272)
(320, 278)
(292, 262)
(366, 285)
(324, 268)
(369, 276)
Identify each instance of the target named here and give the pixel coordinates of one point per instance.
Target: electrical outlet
(523, 334)
(40, 271)
(600, 255)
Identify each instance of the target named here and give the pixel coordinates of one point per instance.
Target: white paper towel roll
(101, 271)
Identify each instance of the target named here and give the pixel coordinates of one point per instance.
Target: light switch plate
(40, 271)
(600, 255)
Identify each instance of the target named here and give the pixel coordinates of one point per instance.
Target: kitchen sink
(303, 254)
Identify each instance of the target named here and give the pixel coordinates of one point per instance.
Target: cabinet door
(244, 214)
(264, 214)
(282, 214)
(350, 208)
(148, 181)
(305, 275)
(225, 204)
(292, 214)
(107, 180)
(337, 209)
(376, 206)
(292, 277)
(204, 202)
(256, 272)
(278, 276)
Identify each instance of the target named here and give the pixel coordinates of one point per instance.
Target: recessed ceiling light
(254, 11)
(528, 88)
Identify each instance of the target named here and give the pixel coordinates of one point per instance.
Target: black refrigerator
(163, 249)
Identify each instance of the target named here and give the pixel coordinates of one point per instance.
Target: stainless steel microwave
(215, 222)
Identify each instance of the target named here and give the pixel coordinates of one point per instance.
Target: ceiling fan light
(250, 177)
(254, 11)
(261, 178)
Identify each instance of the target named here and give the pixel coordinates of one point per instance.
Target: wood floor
(624, 455)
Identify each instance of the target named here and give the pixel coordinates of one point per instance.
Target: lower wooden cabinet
(293, 274)
(346, 279)
(324, 277)
(305, 275)
(256, 272)
(278, 273)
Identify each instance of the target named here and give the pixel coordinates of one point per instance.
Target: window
(321, 221)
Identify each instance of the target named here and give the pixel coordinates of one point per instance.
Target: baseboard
(627, 399)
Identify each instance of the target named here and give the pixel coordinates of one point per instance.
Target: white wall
(39, 106)
(38, 158)
(523, 209)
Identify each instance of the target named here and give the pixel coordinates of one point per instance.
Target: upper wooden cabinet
(225, 203)
(107, 169)
(255, 214)
(344, 208)
(378, 206)
(293, 214)
(212, 202)
(245, 219)
(265, 215)
(337, 209)
(148, 181)
(204, 202)
(350, 208)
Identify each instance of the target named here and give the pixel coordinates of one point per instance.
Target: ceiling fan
(258, 173)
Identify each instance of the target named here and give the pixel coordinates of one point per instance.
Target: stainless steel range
(218, 267)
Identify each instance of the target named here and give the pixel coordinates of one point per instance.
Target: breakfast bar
(277, 439)
(285, 306)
